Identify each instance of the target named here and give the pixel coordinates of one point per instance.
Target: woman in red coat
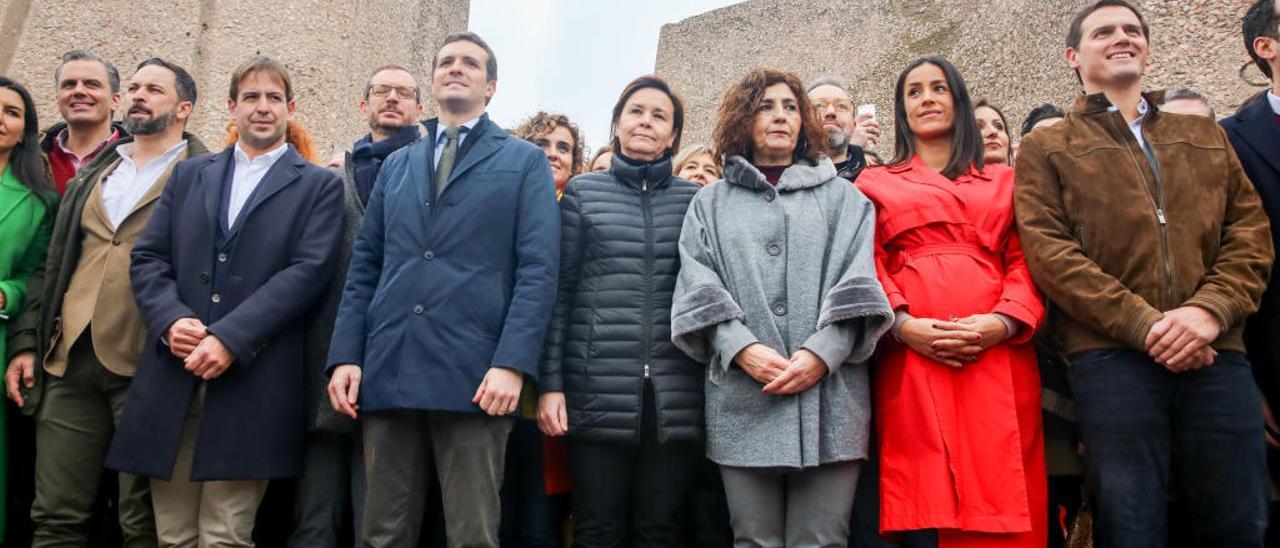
(957, 391)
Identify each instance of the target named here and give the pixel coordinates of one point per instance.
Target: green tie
(447, 156)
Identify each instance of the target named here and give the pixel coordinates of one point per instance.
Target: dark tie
(447, 156)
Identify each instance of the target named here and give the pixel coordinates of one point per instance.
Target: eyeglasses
(404, 92)
(840, 105)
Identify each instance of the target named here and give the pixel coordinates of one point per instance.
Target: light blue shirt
(1136, 125)
(442, 138)
(1275, 102)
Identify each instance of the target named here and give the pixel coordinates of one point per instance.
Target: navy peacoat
(250, 288)
(440, 291)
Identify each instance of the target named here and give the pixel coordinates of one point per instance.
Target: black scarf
(367, 157)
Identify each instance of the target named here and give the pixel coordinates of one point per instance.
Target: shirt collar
(1143, 107)
(61, 141)
(126, 151)
(1275, 102)
(269, 157)
(441, 135)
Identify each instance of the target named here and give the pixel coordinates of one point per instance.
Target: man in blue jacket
(447, 299)
(1254, 133)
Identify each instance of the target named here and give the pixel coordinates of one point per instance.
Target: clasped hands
(497, 395)
(954, 343)
(1180, 340)
(780, 375)
(202, 353)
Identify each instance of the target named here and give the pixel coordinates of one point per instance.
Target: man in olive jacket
(78, 340)
(1144, 231)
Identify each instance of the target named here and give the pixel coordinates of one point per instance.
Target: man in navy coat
(240, 245)
(1254, 133)
(447, 299)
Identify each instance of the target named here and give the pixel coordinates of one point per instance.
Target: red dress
(961, 450)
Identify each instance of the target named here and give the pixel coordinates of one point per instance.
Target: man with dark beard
(78, 340)
(846, 134)
(332, 486)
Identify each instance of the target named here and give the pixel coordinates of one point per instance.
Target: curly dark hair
(543, 123)
(736, 118)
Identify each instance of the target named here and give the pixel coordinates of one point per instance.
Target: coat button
(417, 309)
(204, 278)
(780, 309)
(222, 257)
(769, 195)
(216, 298)
(428, 255)
(775, 249)
(115, 242)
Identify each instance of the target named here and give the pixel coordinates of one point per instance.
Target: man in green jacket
(77, 342)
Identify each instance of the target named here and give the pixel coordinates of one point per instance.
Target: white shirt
(247, 175)
(1136, 125)
(1275, 102)
(128, 182)
(442, 138)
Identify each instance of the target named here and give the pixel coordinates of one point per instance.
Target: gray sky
(573, 56)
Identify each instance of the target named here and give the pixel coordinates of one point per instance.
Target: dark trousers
(530, 517)
(403, 448)
(74, 425)
(631, 495)
(1136, 417)
(330, 492)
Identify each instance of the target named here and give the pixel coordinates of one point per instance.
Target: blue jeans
(1136, 417)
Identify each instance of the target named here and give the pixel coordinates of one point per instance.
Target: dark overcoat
(1254, 133)
(439, 291)
(250, 286)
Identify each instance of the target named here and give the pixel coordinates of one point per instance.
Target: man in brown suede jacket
(1144, 231)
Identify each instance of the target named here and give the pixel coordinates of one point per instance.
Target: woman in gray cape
(778, 294)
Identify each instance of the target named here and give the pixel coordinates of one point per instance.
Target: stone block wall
(1010, 51)
(330, 46)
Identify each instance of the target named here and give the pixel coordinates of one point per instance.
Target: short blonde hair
(688, 154)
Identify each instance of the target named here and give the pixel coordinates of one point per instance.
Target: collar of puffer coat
(805, 173)
(636, 173)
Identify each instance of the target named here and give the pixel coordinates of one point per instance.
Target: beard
(149, 126)
(837, 139)
(381, 127)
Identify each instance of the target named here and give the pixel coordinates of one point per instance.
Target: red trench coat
(961, 449)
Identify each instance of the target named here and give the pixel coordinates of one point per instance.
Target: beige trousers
(203, 514)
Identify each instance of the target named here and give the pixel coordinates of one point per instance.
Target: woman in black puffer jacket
(630, 402)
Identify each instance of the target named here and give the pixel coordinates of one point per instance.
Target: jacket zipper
(647, 341)
(1157, 202)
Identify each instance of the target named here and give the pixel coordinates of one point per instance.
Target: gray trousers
(465, 450)
(775, 508)
(74, 426)
(332, 482)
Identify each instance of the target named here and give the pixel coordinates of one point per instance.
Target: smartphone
(869, 108)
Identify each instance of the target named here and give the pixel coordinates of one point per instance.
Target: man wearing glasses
(847, 135)
(333, 476)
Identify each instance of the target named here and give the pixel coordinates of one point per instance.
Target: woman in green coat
(27, 203)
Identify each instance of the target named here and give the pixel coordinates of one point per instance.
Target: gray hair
(828, 80)
(113, 75)
(1186, 93)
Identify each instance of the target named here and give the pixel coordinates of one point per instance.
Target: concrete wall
(330, 46)
(1010, 51)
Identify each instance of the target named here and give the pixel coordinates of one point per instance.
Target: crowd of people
(457, 335)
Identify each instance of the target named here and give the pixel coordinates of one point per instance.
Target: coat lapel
(284, 172)
(211, 177)
(1262, 132)
(424, 182)
(12, 196)
(486, 143)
